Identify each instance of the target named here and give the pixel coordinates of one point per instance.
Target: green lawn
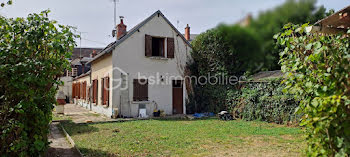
(210, 137)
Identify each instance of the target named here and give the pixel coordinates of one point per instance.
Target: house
(142, 71)
(78, 61)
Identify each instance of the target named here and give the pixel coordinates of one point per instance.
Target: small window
(158, 47)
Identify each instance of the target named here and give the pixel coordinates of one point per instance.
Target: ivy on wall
(263, 100)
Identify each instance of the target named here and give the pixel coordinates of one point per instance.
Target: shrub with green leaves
(263, 100)
(33, 54)
(227, 50)
(317, 70)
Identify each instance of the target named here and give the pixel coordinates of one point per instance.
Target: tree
(268, 23)
(228, 50)
(33, 54)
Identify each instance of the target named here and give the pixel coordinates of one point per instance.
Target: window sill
(158, 58)
(105, 106)
(141, 102)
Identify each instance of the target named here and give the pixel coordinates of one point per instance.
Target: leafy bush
(318, 71)
(32, 57)
(263, 100)
(222, 52)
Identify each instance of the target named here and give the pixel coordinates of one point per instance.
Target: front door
(177, 97)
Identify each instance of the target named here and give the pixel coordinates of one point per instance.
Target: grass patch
(60, 117)
(186, 138)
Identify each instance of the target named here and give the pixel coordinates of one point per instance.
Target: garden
(305, 111)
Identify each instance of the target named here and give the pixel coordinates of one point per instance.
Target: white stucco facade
(127, 61)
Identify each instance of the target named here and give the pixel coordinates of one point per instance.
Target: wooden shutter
(171, 47)
(103, 92)
(94, 91)
(84, 90)
(144, 91)
(78, 91)
(88, 94)
(148, 45)
(107, 91)
(140, 90)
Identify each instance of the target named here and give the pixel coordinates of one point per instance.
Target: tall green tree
(270, 22)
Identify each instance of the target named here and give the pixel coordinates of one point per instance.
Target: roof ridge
(133, 30)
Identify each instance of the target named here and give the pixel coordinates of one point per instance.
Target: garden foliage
(317, 70)
(270, 22)
(33, 54)
(221, 52)
(263, 100)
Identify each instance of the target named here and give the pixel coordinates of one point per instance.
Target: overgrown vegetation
(221, 52)
(263, 100)
(32, 57)
(230, 50)
(318, 71)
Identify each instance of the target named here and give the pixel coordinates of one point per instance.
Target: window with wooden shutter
(171, 47)
(103, 91)
(148, 45)
(78, 91)
(94, 91)
(140, 90)
(84, 90)
(107, 91)
(88, 94)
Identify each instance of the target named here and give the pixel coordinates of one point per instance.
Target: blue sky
(95, 17)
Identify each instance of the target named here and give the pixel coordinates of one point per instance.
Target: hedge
(265, 101)
(33, 54)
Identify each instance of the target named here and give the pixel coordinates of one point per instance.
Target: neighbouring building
(79, 65)
(143, 70)
(338, 22)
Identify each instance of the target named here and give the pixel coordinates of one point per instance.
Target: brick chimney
(187, 33)
(93, 54)
(121, 29)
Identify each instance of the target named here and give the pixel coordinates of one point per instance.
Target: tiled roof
(85, 52)
(114, 44)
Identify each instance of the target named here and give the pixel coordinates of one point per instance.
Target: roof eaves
(334, 14)
(132, 31)
(83, 75)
